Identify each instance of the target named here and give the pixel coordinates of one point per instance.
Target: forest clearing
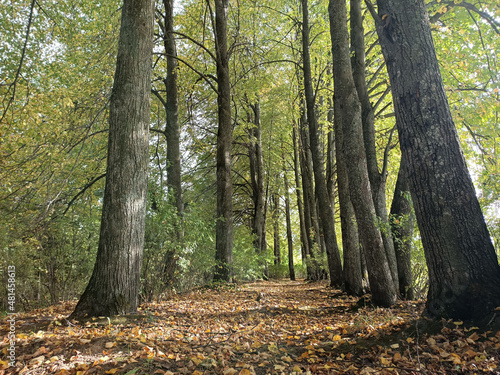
(268, 327)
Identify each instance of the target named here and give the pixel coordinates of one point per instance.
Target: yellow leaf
(336, 338)
(397, 357)
(245, 371)
(113, 371)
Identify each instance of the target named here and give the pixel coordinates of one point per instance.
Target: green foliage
(248, 265)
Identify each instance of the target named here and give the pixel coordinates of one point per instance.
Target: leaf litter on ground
(268, 327)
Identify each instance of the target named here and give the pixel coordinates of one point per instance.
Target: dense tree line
(308, 123)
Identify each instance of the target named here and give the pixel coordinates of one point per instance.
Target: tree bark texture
(402, 224)
(224, 225)
(324, 205)
(353, 274)
(377, 178)
(114, 285)
(464, 275)
(172, 130)
(172, 136)
(381, 284)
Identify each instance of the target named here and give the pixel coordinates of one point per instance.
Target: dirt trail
(272, 327)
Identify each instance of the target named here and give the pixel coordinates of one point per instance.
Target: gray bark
(379, 274)
(378, 179)
(402, 224)
(325, 209)
(257, 180)
(114, 285)
(353, 274)
(464, 274)
(224, 225)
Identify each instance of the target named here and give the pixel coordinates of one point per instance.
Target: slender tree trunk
(353, 274)
(310, 211)
(381, 284)
(377, 179)
(402, 223)
(289, 238)
(464, 274)
(276, 228)
(114, 285)
(257, 180)
(303, 231)
(172, 136)
(325, 206)
(224, 225)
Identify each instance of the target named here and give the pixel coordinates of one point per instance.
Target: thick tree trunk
(224, 225)
(377, 179)
(353, 274)
(324, 205)
(114, 285)
(381, 284)
(464, 275)
(402, 224)
(257, 180)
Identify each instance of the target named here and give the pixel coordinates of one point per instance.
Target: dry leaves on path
(279, 327)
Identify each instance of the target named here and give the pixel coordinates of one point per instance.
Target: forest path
(269, 327)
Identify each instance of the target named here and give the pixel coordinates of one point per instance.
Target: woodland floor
(293, 328)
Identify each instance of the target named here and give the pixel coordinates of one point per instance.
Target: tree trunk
(377, 179)
(303, 231)
(381, 284)
(325, 207)
(289, 238)
(257, 180)
(310, 212)
(353, 274)
(224, 225)
(402, 223)
(464, 274)
(172, 136)
(114, 285)
(276, 227)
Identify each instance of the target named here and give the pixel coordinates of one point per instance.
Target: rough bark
(378, 179)
(353, 275)
(402, 224)
(325, 209)
(381, 284)
(172, 136)
(114, 285)
(224, 225)
(464, 274)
